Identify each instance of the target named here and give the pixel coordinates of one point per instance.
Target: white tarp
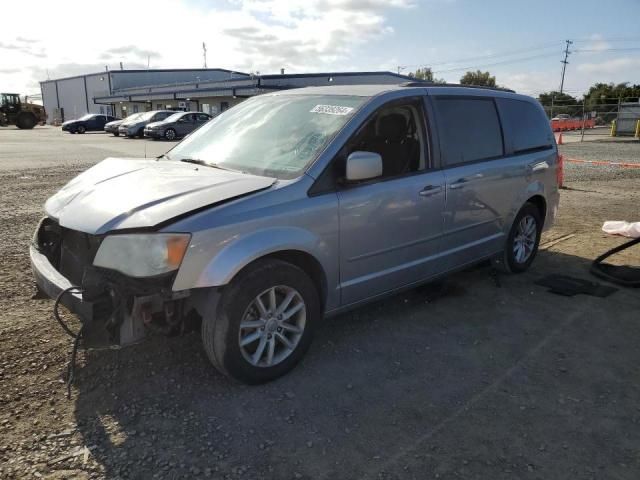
(626, 229)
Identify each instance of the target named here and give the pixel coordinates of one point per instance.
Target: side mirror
(363, 166)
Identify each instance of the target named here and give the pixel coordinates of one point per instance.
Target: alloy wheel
(272, 326)
(525, 239)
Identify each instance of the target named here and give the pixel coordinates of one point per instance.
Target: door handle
(430, 190)
(537, 166)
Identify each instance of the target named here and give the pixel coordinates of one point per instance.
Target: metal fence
(615, 119)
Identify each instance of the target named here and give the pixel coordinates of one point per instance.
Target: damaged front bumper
(113, 308)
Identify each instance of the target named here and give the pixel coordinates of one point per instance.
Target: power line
(504, 62)
(626, 49)
(543, 46)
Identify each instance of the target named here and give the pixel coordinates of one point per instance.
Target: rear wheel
(523, 240)
(170, 134)
(264, 322)
(26, 121)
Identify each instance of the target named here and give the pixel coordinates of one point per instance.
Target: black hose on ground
(625, 276)
(71, 367)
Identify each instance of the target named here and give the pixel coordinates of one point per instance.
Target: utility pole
(564, 63)
(204, 53)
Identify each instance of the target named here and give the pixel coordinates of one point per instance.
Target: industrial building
(123, 92)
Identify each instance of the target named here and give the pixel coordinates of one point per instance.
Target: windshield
(145, 116)
(174, 117)
(133, 117)
(270, 135)
(87, 116)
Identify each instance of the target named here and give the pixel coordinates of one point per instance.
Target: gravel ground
(473, 381)
(623, 150)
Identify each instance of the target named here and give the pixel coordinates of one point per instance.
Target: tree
(483, 79)
(555, 103)
(425, 74)
(609, 93)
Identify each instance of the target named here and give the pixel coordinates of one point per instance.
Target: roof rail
(419, 83)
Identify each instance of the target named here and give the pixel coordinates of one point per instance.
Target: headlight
(142, 255)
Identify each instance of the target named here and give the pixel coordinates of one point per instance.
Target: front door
(390, 227)
(185, 124)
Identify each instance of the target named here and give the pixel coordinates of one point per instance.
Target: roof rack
(433, 84)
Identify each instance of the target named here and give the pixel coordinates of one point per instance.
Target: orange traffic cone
(559, 140)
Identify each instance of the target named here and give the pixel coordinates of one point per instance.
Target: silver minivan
(296, 205)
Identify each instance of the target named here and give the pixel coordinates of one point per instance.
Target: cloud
(9, 70)
(129, 50)
(616, 65)
(40, 53)
(242, 35)
(26, 40)
(596, 43)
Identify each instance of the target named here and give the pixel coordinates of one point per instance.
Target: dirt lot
(483, 381)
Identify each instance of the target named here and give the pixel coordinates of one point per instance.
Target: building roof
(105, 72)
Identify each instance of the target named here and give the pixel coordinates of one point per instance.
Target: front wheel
(82, 129)
(264, 322)
(116, 134)
(170, 134)
(523, 240)
(26, 121)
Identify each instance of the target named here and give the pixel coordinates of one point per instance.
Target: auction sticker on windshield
(331, 109)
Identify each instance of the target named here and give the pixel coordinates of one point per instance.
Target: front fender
(198, 272)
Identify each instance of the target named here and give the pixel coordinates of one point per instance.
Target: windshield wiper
(198, 161)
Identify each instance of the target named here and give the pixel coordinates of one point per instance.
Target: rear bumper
(52, 283)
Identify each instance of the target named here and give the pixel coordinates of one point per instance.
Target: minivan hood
(121, 193)
(156, 124)
(113, 123)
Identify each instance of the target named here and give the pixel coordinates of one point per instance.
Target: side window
(203, 118)
(469, 129)
(527, 124)
(397, 134)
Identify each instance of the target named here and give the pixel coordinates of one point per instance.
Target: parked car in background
(177, 125)
(112, 127)
(91, 122)
(135, 126)
(299, 204)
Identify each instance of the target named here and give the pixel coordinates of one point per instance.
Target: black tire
(26, 121)
(170, 134)
(81, 129)
(141, 133)
(116, 134)
(506, 261)
(221, 331)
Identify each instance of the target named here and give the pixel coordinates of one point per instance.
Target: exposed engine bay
(115, 309)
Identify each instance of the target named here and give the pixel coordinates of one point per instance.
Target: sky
(520, 42)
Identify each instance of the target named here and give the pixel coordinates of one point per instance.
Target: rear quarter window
(469, 129)
(526, 124)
